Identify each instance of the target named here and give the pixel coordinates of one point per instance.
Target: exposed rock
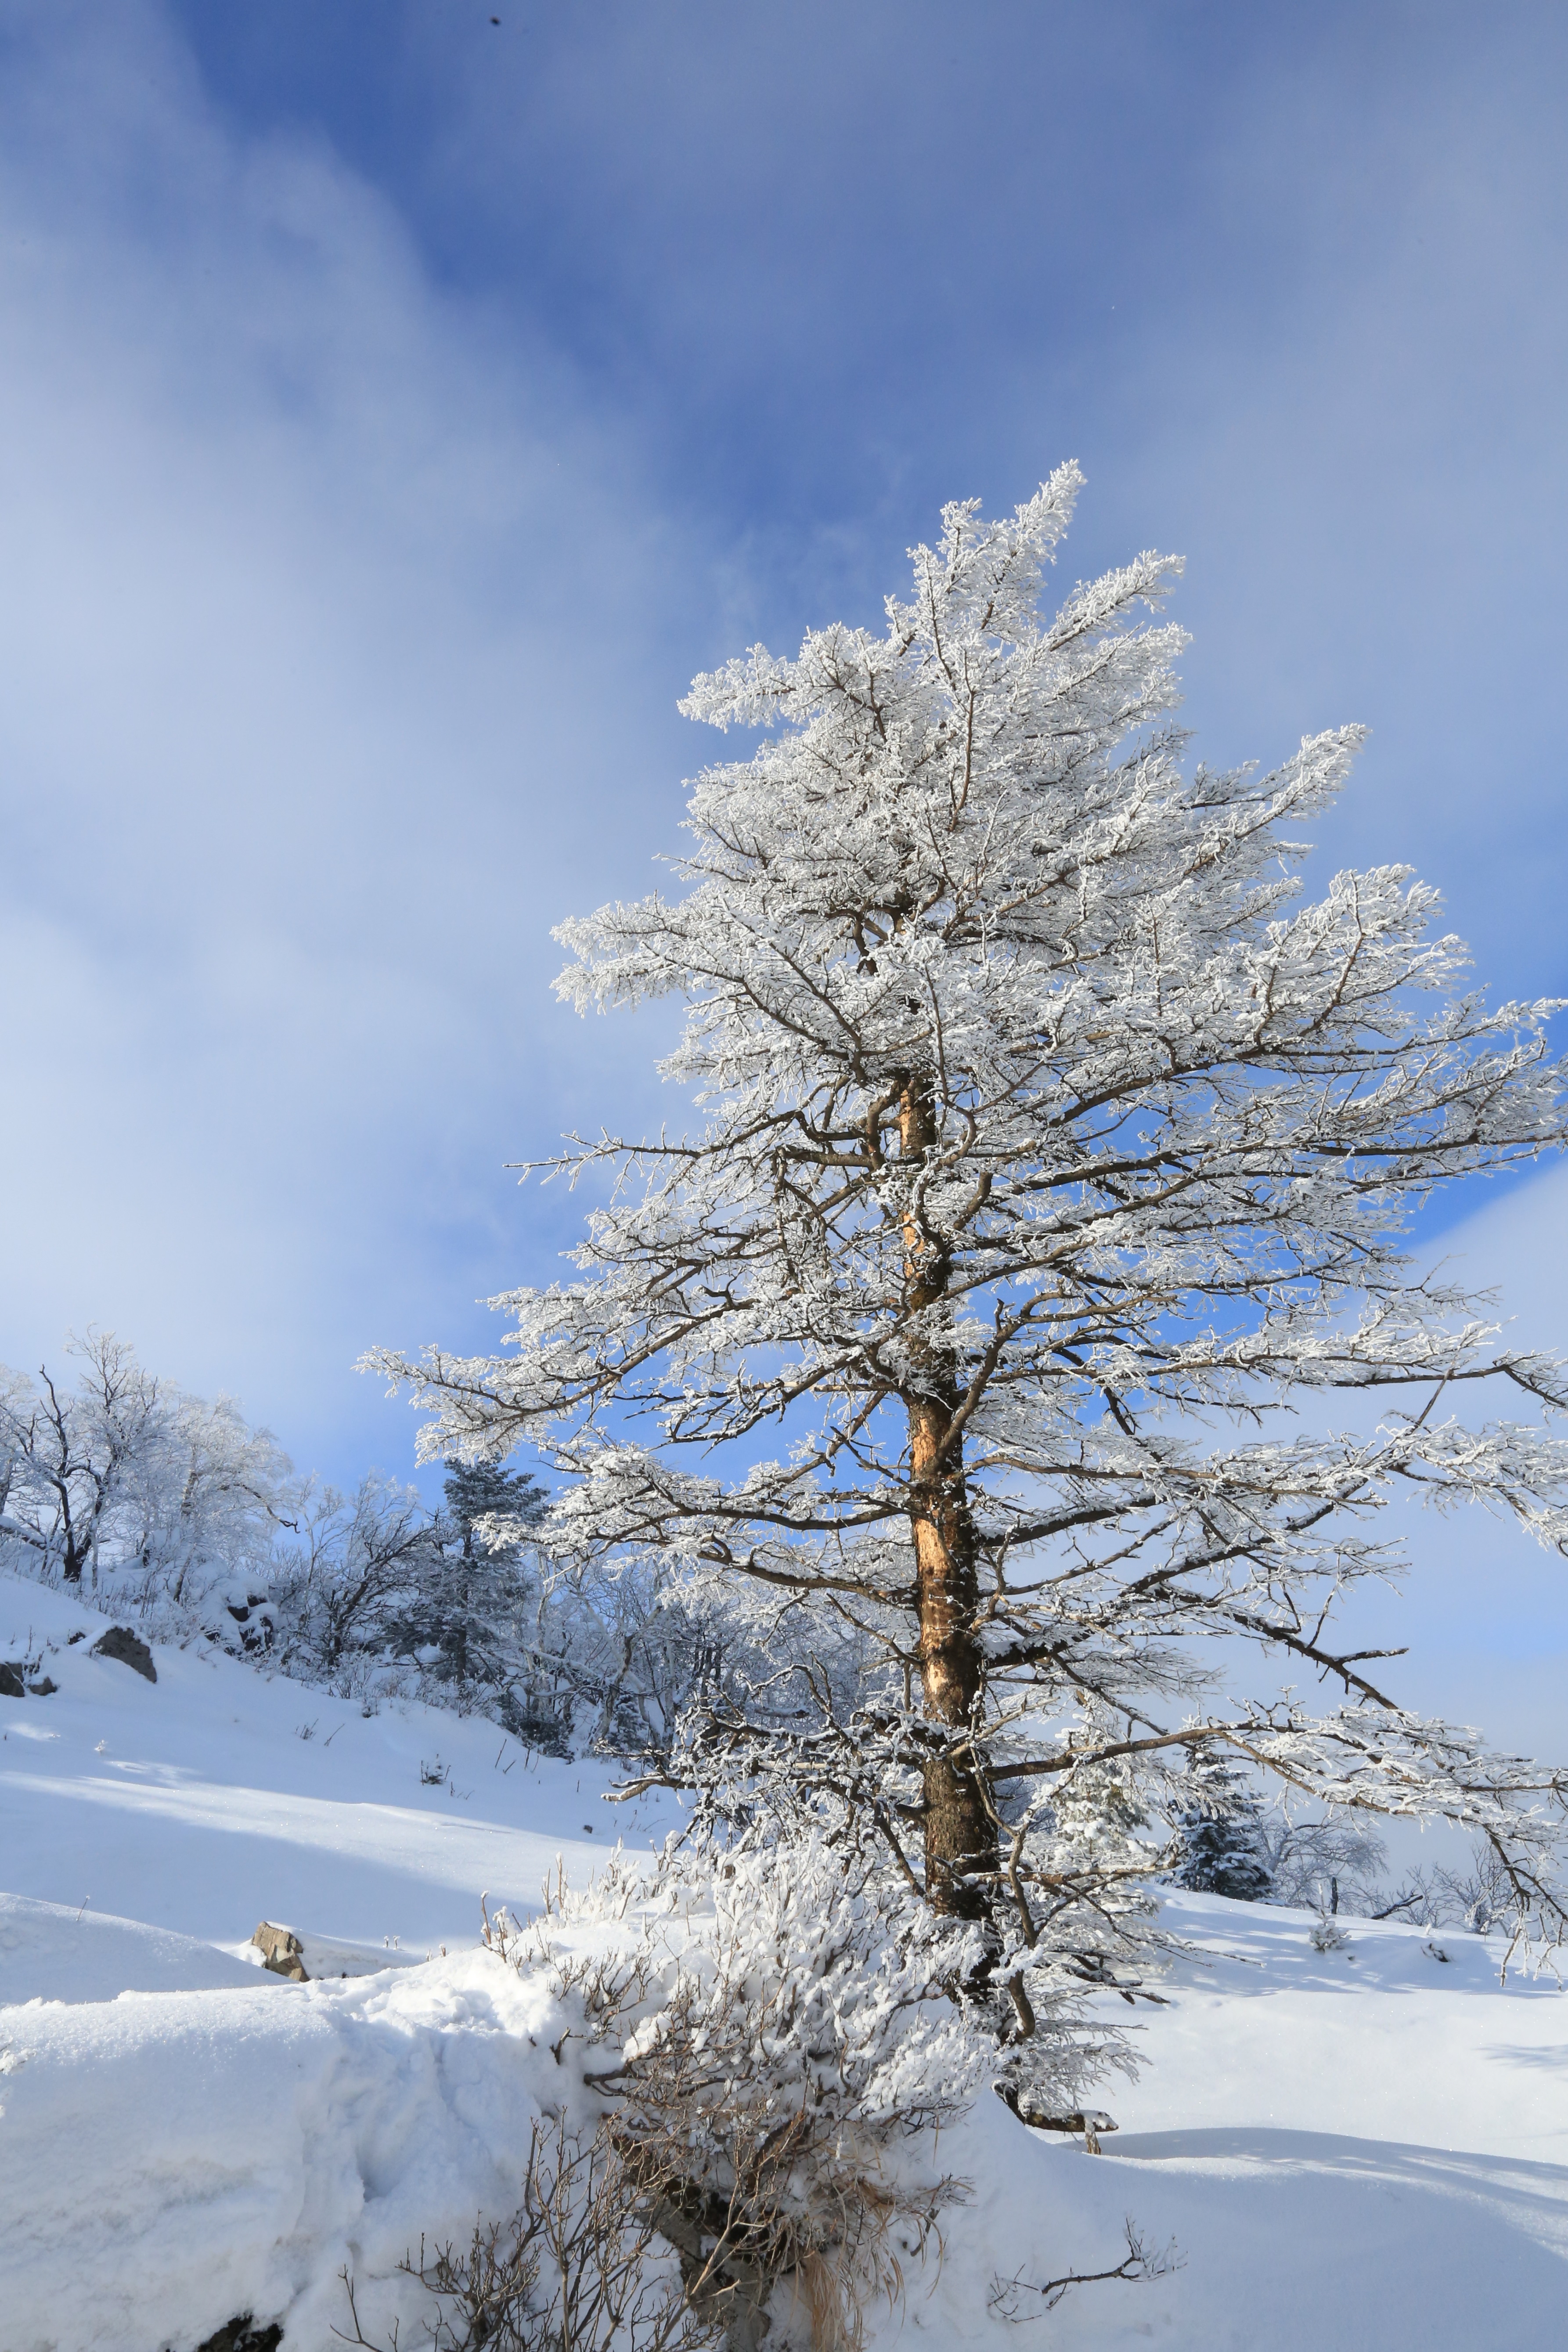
(1088, 2119)
(128, 1648)
(241, 2335)
(1090, 2122)
(282, 1952)
(45, 1687)
(11, 1683)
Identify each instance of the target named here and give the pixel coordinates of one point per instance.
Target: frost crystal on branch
(1045, 1205)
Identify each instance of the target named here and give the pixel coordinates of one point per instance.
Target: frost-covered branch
(1027, 1302)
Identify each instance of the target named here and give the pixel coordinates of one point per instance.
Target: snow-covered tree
(122, 1480)
(210, 1498)
(343, 1594)
(1223, 1835)
(1047, 1193)
(1310, 1862)
(469, 1617)
(71, 1456)
(478, 1491)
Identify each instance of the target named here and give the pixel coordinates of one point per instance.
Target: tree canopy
(1029, 1304)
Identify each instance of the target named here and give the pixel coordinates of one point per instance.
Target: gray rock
(11, 1683)
(242, 2334)
(128, 1648)
(45, 1687)
(282, 1951)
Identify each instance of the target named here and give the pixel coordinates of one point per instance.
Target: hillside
(1366, 2148)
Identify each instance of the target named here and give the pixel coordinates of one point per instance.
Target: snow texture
(197, 1804)
(49, 1952)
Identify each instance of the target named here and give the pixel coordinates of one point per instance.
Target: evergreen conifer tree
(1223, 1849)
(467, 1617)
(480, 1490)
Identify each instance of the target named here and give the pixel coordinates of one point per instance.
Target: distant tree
(561, 1653)
(125, 1479)
(208, 1496)
(72, 1454)
(1224, 1836)
(180, 1513)
(470, 1620)
(1312, 1863)
(477, 1491)
(341, 1598)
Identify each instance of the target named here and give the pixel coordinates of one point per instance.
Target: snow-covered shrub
(578, 2268)
(774, 2049)
(1479, 1896)
(1327, 1935)
(792, 1778)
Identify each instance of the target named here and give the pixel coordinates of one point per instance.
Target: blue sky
(396, 409)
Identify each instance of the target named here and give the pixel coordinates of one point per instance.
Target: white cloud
(326, 616)
(1484, 1609)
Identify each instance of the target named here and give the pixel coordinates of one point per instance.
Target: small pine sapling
(1224, 1838)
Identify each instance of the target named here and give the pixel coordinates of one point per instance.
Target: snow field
(1356, 2151)
(194, 1803)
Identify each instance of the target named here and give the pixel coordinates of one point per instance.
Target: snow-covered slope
(1360, 2151)
(215, 1798)
(1363, 2148)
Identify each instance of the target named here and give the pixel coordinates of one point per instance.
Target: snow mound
(220, 1796)
(170, 2160)
(1373, 2165)
(1288, 2242)
(49, 1952)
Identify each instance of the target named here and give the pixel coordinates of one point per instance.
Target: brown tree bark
(960, 1848)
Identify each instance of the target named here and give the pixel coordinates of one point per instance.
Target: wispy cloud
(332, 627)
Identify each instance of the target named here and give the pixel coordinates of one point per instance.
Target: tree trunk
(74, 1557)
(960, 1851)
